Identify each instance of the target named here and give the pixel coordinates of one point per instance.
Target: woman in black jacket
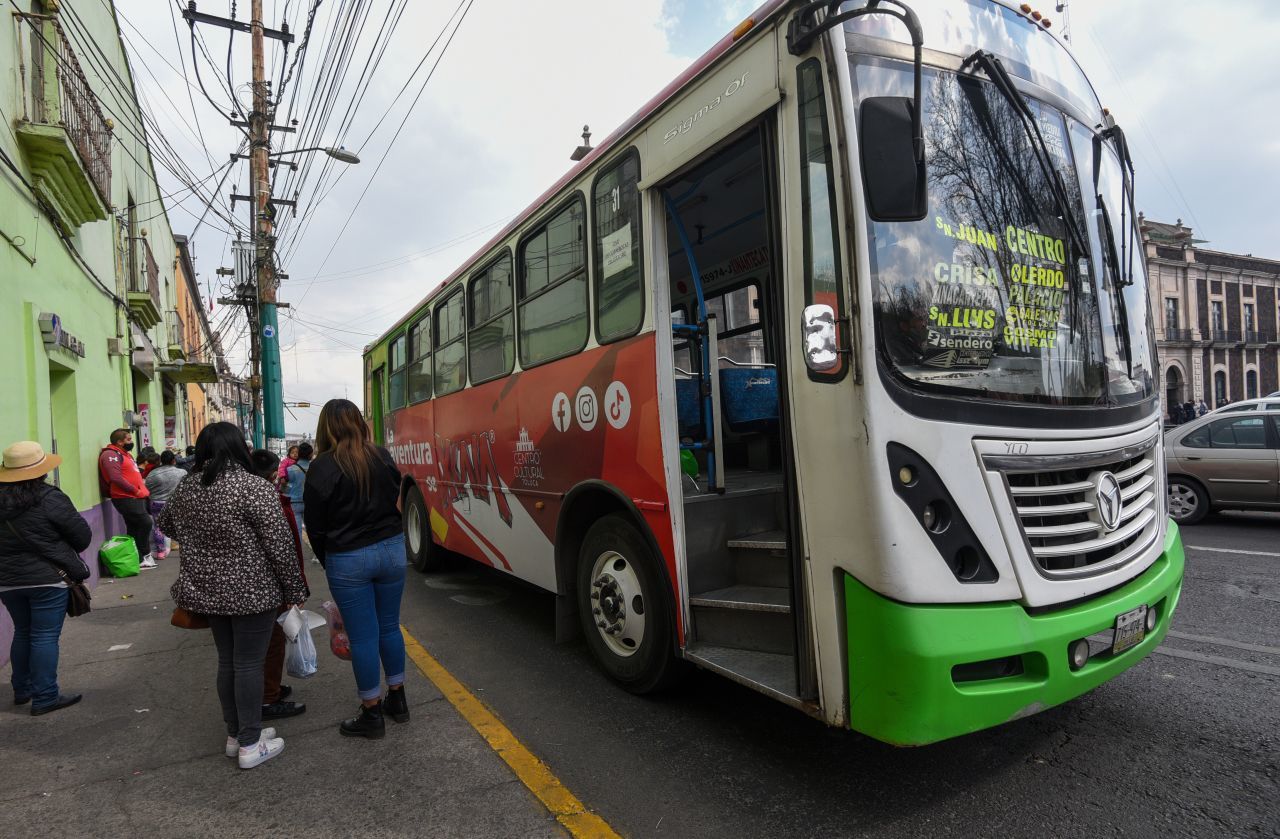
(41, 536)
(353, 521)
(238, 564)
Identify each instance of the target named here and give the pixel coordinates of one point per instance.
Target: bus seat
(750, 398)
(688, 411)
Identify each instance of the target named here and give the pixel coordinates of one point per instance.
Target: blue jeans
(37, 615)
(366, 584)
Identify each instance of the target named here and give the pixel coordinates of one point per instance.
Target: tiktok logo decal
(617, 405)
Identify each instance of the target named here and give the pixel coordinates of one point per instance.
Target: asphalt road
(1184, 743)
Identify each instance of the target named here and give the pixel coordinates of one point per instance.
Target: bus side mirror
(821, 352)
(893, 170)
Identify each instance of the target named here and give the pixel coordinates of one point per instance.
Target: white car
(1269, 403)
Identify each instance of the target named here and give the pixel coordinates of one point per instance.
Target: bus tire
(423, 554)
(625, 606)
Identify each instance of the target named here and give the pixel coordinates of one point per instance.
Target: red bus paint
(495, 461)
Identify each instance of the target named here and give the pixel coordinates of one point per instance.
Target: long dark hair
(220, 447)
(343, 434)
(21, 495)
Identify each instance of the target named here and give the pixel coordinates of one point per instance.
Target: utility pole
(264, 344)
(268, 324)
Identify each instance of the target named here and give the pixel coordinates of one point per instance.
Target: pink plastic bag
(339, 643)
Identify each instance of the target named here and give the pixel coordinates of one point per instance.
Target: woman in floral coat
(238, 565)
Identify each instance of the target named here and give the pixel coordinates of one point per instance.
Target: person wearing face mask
(122, 483)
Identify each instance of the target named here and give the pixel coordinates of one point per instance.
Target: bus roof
(767, 10)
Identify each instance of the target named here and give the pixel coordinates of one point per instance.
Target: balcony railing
(1259, 337)
(143, 285)
(1225, 336)
(177, 338)
(60, 111)
(1177, 334)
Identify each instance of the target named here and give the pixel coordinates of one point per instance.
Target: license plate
(1131, 628)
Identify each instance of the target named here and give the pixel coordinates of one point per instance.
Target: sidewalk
(142, 753)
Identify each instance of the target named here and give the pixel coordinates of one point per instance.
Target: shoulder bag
(79, 601)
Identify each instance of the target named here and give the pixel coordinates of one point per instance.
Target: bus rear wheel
(625, 606)
(424, 555)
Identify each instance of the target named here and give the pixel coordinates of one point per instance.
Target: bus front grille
(1063, 520)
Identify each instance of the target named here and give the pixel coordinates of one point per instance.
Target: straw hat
(26, 460)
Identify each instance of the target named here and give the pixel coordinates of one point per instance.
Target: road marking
(1220, 661)
(1224, 642)
(1232, 551)
(571, 813)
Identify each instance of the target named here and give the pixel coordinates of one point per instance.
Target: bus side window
(491, 326)
(553, 288)
(817, 187)
(419, 385)
(395, 396)
(450, 348)
(618, 275)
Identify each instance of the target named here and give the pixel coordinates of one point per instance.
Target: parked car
(1267, 403)
(1224, 461)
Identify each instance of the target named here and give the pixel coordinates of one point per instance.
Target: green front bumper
(901, 656)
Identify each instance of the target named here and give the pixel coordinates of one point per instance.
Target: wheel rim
(617, 603)
(1183, 501)
(413, 524)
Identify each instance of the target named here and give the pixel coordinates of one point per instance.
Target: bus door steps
(770, 540)
(747, 598)
(773, 674)
(745, 617)
(760, 559)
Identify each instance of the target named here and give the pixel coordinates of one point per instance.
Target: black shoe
(395, 705)
(285, 692)
(63, 701)
(368, 723)
(21, 700)
(280, 710)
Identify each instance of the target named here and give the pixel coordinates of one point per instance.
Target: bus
(830, 371)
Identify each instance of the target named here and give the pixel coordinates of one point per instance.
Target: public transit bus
(830, 371)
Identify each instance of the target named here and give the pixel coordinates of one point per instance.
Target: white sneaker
(260, 752)
(147, 562)
(233, 745)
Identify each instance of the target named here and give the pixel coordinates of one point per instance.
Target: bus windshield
(1002, 291)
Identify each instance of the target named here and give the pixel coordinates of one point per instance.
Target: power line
(392, 143)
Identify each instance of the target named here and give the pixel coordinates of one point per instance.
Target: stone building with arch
(1216, 318)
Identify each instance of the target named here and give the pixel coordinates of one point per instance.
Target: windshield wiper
(1113, 132)
(1004, 84)
(1121, 271)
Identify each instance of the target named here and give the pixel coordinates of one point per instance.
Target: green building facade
(89, 333)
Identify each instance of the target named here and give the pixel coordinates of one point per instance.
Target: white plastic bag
(300, 651)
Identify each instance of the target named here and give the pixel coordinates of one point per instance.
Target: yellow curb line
(572, 815)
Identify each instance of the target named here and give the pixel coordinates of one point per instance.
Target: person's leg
(137, 522)
(220, 626)
(388, 587)
(298, 509)
(273, 666)
(48, 611)
(251, 634)
(20, 650)
(158, 538)
(349, 575)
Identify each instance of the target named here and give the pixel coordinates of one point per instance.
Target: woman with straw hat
(41, 536)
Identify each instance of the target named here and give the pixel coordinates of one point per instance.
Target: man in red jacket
(122, 482)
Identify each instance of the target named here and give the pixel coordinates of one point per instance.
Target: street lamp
(340, 154)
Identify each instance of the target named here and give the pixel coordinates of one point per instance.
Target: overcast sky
(1196, 86)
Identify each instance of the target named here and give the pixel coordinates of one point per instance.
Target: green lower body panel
(902, 686)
